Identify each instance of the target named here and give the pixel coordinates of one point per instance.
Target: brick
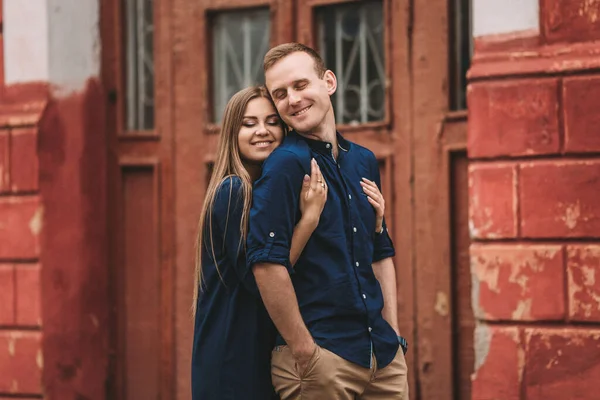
(20, 225)
(20, 362)
(28, 290)
(562, 364)
(518, 282)
(581, 96)
(583, 267)
(513, 118)
(499, 359)
(7, 294)
(492, 200)
(23, 160)
(560, 199)
(570, 21)
(4, 161)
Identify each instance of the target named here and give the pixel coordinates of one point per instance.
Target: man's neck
(326, 132)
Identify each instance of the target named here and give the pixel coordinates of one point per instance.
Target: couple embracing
(295, 283)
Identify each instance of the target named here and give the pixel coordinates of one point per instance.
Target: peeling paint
(571, 216)
(590, 9)
(441, 304)
(523, 310)
(39, 360)
(11, 346)
(483, 340)
(35, 224)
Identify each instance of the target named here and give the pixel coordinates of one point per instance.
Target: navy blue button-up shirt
(339, 297)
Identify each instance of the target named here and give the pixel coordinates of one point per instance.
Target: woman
(233, 334)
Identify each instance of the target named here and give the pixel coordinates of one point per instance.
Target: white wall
(55, 41)
(504, 16)
(25, 41)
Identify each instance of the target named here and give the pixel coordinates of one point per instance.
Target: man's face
(301, 97)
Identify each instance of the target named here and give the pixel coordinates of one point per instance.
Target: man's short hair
(284, 50)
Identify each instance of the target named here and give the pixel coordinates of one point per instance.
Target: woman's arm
(312, 201)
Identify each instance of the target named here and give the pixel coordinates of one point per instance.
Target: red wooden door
(136, 65)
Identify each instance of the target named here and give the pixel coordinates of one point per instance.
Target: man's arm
(385, 273)
(279, 297)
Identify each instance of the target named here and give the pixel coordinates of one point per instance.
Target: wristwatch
(403, 344)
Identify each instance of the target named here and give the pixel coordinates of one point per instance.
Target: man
(336, 309)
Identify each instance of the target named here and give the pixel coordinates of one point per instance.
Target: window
(140, 65)
(240, 41)
(461, 47)
(350, 38)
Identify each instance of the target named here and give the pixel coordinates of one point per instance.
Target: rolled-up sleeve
(383, 247)
(274, 210)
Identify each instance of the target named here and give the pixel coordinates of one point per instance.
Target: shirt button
(328, 145)
(370, 329)
(354, 229)
(349, 197)
(364, 296)
(357, 263)
(272, 234)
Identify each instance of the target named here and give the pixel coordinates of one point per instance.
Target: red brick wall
(21, 358)
(534, 187)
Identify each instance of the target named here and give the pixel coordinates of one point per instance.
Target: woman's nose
(261, 129)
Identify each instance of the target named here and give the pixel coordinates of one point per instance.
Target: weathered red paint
(7, 294)
(28, 295)
(513, 118)
(581, 96)
(72, 155)
(23, 160)
(518, 282)
(20, 362)
(562, 363)
(583, 267)
(499, 359)
(570, 21)
(492, 193)
(19, 231)
(560, 199)
(4, 161)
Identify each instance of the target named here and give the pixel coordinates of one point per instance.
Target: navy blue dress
(233, 334)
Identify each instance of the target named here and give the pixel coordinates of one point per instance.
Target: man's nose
(294, 98)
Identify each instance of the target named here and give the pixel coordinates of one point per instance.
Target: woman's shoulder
(230, 188)
(229, 183)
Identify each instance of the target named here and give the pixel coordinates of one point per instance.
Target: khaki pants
(330, 377)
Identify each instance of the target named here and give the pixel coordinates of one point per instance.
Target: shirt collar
(325, 147)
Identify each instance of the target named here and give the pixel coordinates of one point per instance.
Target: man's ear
(330, 82)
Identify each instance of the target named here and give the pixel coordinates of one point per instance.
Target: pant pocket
(314, 359)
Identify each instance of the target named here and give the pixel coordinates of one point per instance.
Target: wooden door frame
(150, 150)
(436, 134)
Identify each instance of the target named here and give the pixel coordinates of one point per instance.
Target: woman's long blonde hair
(228, 164)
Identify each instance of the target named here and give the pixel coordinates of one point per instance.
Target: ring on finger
(322, 185)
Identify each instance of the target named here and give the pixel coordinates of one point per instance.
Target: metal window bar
(351, 41)
(240, 40)
(140, 65)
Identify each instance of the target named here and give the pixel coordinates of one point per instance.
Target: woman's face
(261, 131)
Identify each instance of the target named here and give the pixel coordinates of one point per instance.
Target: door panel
(135, 72)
